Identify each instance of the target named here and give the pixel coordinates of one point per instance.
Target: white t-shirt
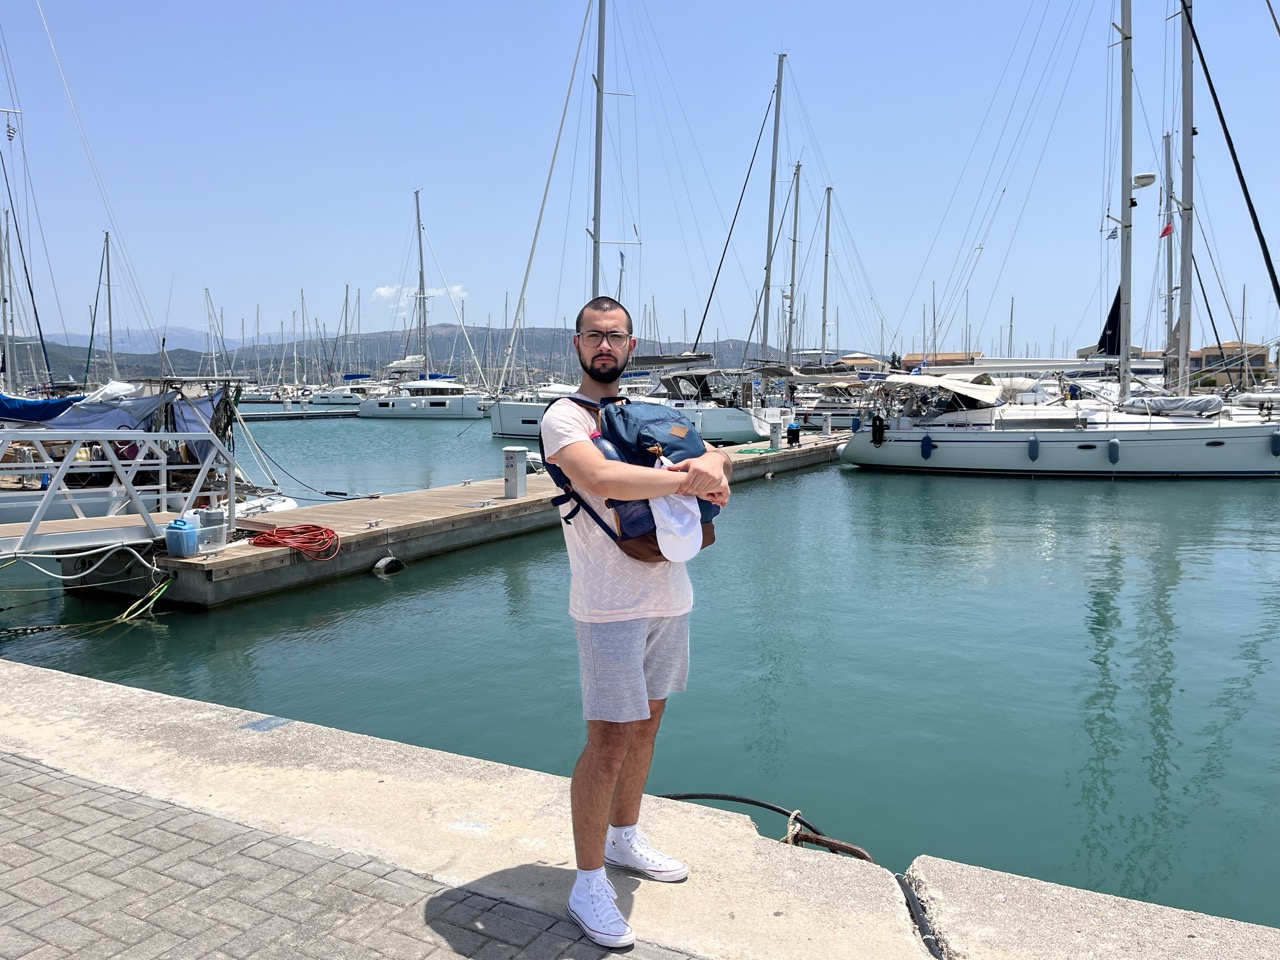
(605, 584)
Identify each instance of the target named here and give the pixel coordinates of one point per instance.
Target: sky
(256, 163)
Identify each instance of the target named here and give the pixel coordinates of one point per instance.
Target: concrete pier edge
(501, 833)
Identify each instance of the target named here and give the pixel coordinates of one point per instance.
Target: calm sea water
(1075, 681)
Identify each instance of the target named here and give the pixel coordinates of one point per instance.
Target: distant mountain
(541, 353)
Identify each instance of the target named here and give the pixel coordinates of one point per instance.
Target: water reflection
(1153, 655)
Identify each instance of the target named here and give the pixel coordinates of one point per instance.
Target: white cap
(679, 526)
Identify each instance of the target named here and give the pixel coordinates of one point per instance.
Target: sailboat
(952, 425)
(430, 396)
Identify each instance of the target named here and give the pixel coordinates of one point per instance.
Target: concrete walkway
(90, 871)
(138, 825)
(289, 824)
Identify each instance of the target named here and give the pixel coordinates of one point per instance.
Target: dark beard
(601, 376)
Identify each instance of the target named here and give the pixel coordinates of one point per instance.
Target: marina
(1023, 675)
(983, 656)
(399, 527)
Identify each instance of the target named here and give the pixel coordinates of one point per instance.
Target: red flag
(1168, 229)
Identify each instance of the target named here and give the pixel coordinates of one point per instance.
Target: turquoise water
(1074, 681)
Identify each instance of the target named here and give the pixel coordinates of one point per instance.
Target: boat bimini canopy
(982, 392)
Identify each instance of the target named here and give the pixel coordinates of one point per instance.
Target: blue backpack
(638, 433)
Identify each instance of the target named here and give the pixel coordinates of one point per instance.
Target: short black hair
(601, 305)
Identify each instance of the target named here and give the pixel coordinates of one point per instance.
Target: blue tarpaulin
(34, 411)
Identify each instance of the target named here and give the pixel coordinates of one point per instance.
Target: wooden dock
(406, 526)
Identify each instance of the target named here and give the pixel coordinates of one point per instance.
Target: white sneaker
(591, 905)
(637, 855)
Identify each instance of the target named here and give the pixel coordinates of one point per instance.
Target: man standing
(632, 625)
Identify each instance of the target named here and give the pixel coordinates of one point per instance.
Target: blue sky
(268, 153)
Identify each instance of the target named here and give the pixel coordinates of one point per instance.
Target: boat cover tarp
(1165, 405)
(984, 392)
(33, 411)
(118, 413)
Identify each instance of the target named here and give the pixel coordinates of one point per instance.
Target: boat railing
(81, 474)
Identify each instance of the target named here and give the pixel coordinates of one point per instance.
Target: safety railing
(49, 475)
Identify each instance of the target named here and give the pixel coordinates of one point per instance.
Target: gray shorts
(627, 663)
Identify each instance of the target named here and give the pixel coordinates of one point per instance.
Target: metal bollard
(775, 434)
(826, 424)
(514, 467)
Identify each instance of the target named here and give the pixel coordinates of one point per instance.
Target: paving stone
(112, 844)
(391, 943)
(315, 849)
(65, 872)
(353, 860)
(196, 874)
(201, 945)
(209, 829)
(384, 889)
(355, 879)
(265, 886)
(31, 922)
(67, 934)
(250, 942)
(141, 878)
(418, 882)
(112, 903)
(291, 907)
(122, 927)
(355, 927)
(458, 939)
(14, 943)
(92, 872)
(101, 949)
(322, 876)
(498, 927)
(46, 952)
(178, 919)
(531, 917)
(584, 950)
(246, 867)
(496, 951)
(237, 914)
(16, 855)
(546, 946)
(294, 859)
(567, 929)
(150, 948)
(37, 891)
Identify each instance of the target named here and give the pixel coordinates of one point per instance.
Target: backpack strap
(562, 480)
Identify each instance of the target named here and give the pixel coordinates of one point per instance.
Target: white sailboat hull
(1154, 449)
(716, 424)
(519, 419)
(461, 407)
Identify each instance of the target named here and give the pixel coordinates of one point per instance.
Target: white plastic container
(213, 529)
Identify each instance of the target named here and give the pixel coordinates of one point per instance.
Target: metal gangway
(77, 490)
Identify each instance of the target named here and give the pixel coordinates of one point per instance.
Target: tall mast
(595, 217)
(421, 311)
(6, 344)
(773, 195)
(1126, 194)
(111, 339)
(826, 262)
(1171, 323)
(1184, 205)
(795, 239)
